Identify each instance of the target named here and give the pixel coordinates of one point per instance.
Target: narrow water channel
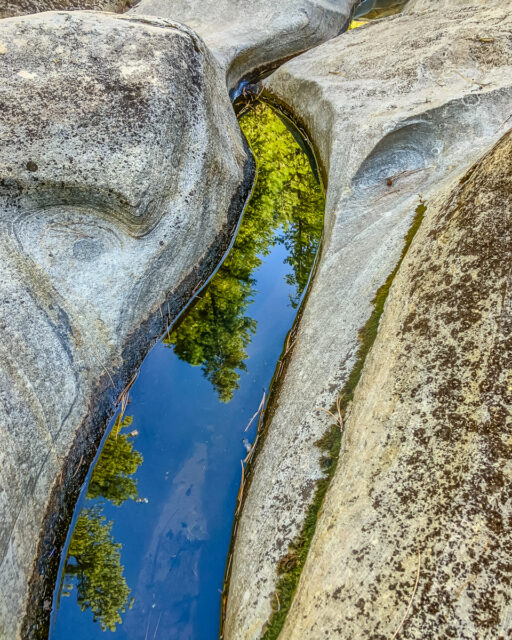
(374, 9)
(146, 552)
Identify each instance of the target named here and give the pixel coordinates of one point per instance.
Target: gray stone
(417, 6)
(415, 528)
(122, 175)
(10, 8)
(396, 110)
(248, 35)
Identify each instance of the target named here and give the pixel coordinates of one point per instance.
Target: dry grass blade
(327, 411)
(79, 465)
(412, 598)
(104, 369)
(124, 392)
(241, 490)
(339, 418)
(262, 404)
(251, 451)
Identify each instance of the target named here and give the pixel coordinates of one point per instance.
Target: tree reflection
(286, 207)
(93, 561)
(111, 478)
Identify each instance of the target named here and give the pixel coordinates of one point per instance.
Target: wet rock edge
(103, 403)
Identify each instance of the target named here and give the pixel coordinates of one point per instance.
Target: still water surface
(145, 558)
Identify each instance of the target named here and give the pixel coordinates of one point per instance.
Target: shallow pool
(152, 527)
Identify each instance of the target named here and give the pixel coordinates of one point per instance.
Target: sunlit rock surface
(417, 6)
(122, 175)
(9, 8)
(397, 109)
(421, 504)
(248, 35)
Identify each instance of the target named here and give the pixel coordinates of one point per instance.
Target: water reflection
(374, 9)
(191, 420)
(216, 332)
(93, 563)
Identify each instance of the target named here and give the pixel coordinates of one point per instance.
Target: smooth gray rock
(413, 99)
(10, 8)
(122, 175)
(415, 533)
(248, 35)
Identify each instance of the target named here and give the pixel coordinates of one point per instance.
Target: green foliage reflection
(94, 558)
(118, 461)
(286, 207)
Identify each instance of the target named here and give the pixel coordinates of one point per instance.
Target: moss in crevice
(368, 333)
(290, 566)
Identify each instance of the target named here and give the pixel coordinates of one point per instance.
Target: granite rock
(10, 8)
(396, 109)
(250, 36)
(122, 175)
(415, 531)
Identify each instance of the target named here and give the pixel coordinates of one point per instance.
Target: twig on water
(147, 628)
(290, 341)
(124, 392)
(157, 625)
(250, 453)
(412, 598)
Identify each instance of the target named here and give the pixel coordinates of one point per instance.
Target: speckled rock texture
(414, 6)
(122, 175)
(389, 129)
(248, 35)
(10, 8)
(425, 473)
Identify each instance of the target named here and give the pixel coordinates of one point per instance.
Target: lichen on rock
(424, 470)
(10, 8)
(387, 129)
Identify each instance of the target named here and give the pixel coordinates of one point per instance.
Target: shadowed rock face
(121, 178)
(389, 129)
(425, 465)
(246, 35)
(10, 8)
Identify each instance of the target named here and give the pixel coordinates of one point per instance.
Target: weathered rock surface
(246, 35)
(425, 473)
(416, 6)
(122, 175)
(10, 8)
(389, 127)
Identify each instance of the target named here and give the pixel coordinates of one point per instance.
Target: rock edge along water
(388, 128)
(123, 173)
